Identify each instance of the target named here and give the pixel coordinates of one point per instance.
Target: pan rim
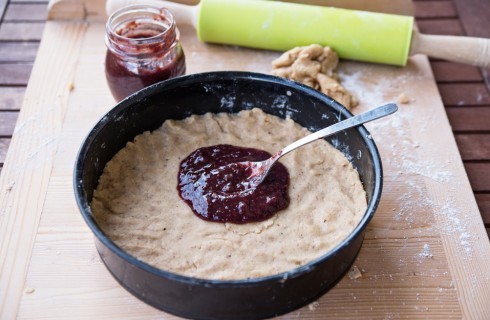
(84, 206)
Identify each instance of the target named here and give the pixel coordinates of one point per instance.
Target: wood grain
(11, 97)
(452, 204)
(467, 50)
(434, 9)
(398, 280)
(4, 145)
(474, 18)
(7, 122)
(21, 31)
(29, 161)
(18, 51)
(3, 7)
(468, 94)
(455, 72)
(26, 12)
(69, 10)
(466, 118)
(15, 73)
(484, 205)
(29, 1)
(479, 175)
(73, 10)
(441, 26)
(474, 146)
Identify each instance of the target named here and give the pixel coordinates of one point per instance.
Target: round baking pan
(225, 92)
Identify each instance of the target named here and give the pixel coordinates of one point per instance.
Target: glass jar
(143, 48)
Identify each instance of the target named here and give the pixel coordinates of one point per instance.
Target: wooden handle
(183, 14)
(469, 50)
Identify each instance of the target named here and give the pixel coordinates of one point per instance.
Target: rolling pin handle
(468, 50)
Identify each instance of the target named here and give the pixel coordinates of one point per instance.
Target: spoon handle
(370, 115)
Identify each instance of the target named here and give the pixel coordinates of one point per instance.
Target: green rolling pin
(353, 34)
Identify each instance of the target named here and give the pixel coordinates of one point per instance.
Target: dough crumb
(313, 306)
(314, 66)
(403, 98)
(29, 290)
(10, 186)
(355, 273)
(71, 87)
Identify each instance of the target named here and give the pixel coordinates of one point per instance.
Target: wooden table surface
(465, 90)
(426, 252)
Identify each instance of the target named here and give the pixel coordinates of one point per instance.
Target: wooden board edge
(76, 10)
(66, 9)
(31, 155)
(458, 218)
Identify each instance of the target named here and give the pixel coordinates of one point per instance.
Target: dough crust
(137, 204)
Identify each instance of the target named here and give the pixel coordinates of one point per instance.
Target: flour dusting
(426, 252)
(401, 156)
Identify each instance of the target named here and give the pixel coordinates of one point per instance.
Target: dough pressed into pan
(138, 206)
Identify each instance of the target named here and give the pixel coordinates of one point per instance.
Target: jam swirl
(213, 182)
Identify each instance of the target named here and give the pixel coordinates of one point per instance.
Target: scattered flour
(401, 158)
(228, 101)
(425, 252)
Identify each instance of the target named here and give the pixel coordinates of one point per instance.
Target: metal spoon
(260, 169)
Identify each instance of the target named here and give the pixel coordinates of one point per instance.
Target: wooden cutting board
(425, 255)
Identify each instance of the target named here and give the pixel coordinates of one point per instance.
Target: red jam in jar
(143, 48)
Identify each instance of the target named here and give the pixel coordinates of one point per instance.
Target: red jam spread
(213, 183)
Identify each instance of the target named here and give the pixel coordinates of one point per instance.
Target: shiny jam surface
(213, 183)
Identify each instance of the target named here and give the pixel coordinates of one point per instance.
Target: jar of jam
(143, 48)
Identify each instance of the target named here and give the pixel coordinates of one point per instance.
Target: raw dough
(403, 98)
(137, 204)
(314, 66)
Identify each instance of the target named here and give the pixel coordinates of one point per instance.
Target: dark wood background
(465, 90)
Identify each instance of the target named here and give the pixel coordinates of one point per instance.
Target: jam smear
(213, 182)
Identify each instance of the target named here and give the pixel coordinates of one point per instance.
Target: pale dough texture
(137, 204)
(314, 66)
